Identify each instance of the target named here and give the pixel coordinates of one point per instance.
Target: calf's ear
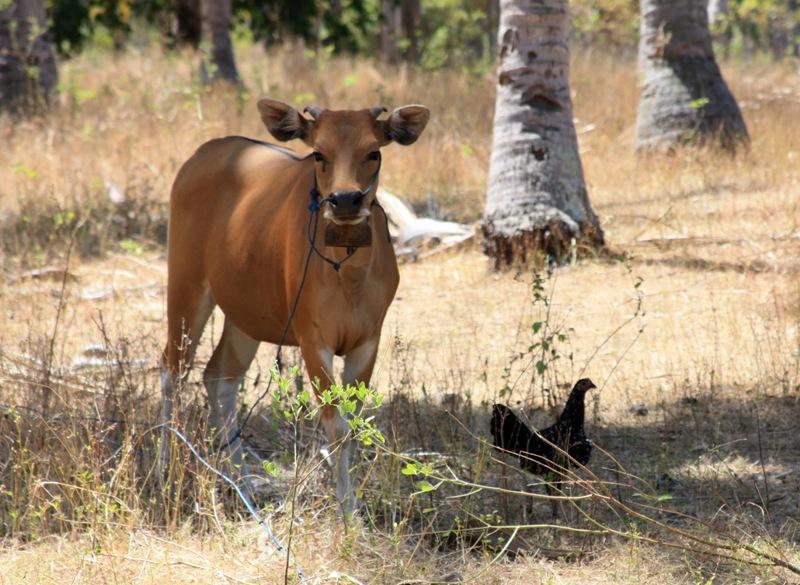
(283, 121)
(405, 124)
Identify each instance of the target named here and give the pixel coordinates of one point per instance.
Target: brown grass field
(689, 326)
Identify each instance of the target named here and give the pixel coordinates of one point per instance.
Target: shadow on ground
(732, 461)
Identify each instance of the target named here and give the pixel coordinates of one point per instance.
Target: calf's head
(346, 147)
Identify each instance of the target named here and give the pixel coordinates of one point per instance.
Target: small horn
(313, 111)
(377, 111)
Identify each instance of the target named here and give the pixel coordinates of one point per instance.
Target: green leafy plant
(352, 403)
(548, 344)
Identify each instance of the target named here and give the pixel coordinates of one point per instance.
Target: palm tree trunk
(684, 98)
(28, 74)
(216, 16)
(536, 203)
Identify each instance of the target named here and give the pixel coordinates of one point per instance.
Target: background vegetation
(451, 33)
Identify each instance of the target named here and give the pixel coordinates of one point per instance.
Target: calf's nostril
(347, 202)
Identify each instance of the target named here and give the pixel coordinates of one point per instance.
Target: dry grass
(712, 366)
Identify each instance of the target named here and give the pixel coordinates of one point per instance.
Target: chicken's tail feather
(508, 431)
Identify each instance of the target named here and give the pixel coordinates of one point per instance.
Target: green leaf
(425, 486)
(132, 247)
(409, 469)
(658, 498)
(270, 468)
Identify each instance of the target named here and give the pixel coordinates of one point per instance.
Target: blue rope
(243, 497)
(9, 408)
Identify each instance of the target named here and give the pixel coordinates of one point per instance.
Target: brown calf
(239, 237)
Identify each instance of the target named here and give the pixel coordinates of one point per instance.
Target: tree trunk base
(555, 242)
(685, 100)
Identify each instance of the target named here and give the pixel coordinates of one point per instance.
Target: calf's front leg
(358, 365)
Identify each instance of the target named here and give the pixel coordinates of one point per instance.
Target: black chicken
(537, 451)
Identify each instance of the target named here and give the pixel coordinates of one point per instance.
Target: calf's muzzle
(346, 204)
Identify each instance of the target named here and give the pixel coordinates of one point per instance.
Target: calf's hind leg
(188, 310)
(222, 377)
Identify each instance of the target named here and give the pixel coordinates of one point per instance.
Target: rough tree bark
(220, 64)
(28, 74)
(684, 98)
(536, 202)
